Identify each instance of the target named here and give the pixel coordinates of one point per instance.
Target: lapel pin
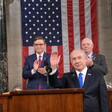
(89, 74)
(94, 58)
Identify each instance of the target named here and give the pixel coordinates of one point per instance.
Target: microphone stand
(49, 70)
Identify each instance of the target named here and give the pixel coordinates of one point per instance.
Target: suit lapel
(34, 57)
(88, 78)
(45, 58)
(75, 80)
(94, 57)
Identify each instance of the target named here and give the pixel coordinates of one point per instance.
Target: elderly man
(95, 61)
(95, 95)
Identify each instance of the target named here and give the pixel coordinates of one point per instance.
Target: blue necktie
(80, 80)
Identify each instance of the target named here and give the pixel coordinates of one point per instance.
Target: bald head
(87, 45)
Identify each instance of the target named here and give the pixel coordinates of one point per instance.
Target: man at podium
(95, 95)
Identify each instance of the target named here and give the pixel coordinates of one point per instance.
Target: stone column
(14, 44)
(105, 34)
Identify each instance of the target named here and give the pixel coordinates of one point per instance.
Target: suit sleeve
(27, 69)
(104, 100)
(102, 66)
(57, 82)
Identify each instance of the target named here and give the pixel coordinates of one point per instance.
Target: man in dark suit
(95, 61)
(95, 94)
(34, 69)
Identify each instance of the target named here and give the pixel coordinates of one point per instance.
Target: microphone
(48, 68)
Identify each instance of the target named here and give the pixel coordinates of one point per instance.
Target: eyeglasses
(38, 44)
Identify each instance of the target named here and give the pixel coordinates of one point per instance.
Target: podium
(49, 100)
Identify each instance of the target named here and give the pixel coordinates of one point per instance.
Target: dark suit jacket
(35, 79)
(95, 95)
(100, 63)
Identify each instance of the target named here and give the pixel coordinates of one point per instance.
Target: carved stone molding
(3, 73)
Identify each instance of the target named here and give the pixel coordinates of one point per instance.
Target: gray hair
(77, 50)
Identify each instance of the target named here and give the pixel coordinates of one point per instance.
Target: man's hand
(90, 62)
(42, 70)
(35, 65)
(54, 60)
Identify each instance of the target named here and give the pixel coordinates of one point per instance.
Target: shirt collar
(84, 71)
(40, 55)
(90, 55)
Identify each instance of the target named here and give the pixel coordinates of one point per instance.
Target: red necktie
(40, 86)
(40, 62)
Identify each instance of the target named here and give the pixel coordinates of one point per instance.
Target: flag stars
(52, 4)
(53, 28)
(27, 41)
(54, 37)
(45, 21)
(52, 12)
(33, 8)
(37, 12)
(26, 32)
(41, 24)
(53, 20)
(58, 41)
(50, 41)
(30, 36)
(30, 20)
(33, 16)
(25, 8)
(30, 28)
(26, 24)
(38, 29)
(41, 16)
(49, 24)
(29, 12)
(33, 24)
(44, 4)
(56, 8)
(29, 4)
(26, 16)
(37, 20)
(46, 37)
(34, 33)
(37, 4)
(41, 8)
(49, 8)
(45, 29)
(57, 16)
(49, 16)
(57, 24)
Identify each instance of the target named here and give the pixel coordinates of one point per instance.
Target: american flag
(63, 24)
